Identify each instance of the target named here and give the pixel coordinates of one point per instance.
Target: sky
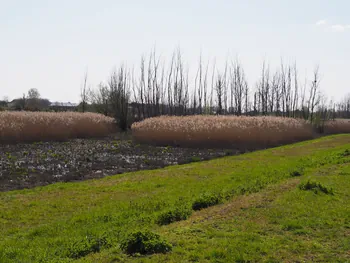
(49, 45)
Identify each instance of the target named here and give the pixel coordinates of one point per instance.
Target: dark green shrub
(296, 173)
(206, 200)
(144, 243)
(316, 187)
(173, 215)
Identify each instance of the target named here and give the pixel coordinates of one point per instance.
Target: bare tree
(314, 97)
(238, 88)
(83, 92)
(263, 89)
(100, 99)
(32, 102)
(211, 102)
(33, 94)
(119, 89)
(304, 105)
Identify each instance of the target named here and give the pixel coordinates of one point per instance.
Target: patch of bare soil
(42, 163)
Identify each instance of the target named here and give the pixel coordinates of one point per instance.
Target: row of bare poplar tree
(158, 89)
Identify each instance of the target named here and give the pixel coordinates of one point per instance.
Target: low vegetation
(229, 131)
(315, 187)
(144, 242)
(174, 214)
(262, 215)
(51, 126)
(206, 200)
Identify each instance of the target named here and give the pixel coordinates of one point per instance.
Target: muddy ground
(42, 163)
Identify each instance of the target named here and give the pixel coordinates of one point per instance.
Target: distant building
(63, 106)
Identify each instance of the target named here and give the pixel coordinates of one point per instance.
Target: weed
(144, 243)
(316, 187)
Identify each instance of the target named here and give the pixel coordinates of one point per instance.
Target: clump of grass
(207, 200)
(18, 127)
(84, 247)
(291, 226)
(207, 131)
(172, 215)
(297, 172)
(144, 243)
(316, 187)
(346, 153)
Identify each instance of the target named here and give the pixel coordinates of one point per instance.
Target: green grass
(263, 214)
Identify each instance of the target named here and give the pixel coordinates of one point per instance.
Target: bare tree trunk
(296, 92)
(83, 92)
(211, 105)
(314, 98)
(119, 86)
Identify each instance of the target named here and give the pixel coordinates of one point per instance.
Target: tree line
(157, 88)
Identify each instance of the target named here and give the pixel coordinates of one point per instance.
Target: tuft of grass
(172, 215)
(144, 243)
(346, 153)
(296, 173)
(82, 248)
(316, 187)
(206, 200)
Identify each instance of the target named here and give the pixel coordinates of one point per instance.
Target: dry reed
(49, 126)
(337, 126)
(221, 131)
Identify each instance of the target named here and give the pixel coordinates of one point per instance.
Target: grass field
(286, 204)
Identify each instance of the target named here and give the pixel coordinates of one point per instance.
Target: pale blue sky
(47, 44)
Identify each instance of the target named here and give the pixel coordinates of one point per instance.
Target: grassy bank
(259, 212)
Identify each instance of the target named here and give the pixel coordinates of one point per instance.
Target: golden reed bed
(51, 126)
(337, 126)
(221, 131)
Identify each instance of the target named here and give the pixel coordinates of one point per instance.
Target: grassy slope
(268, 218)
